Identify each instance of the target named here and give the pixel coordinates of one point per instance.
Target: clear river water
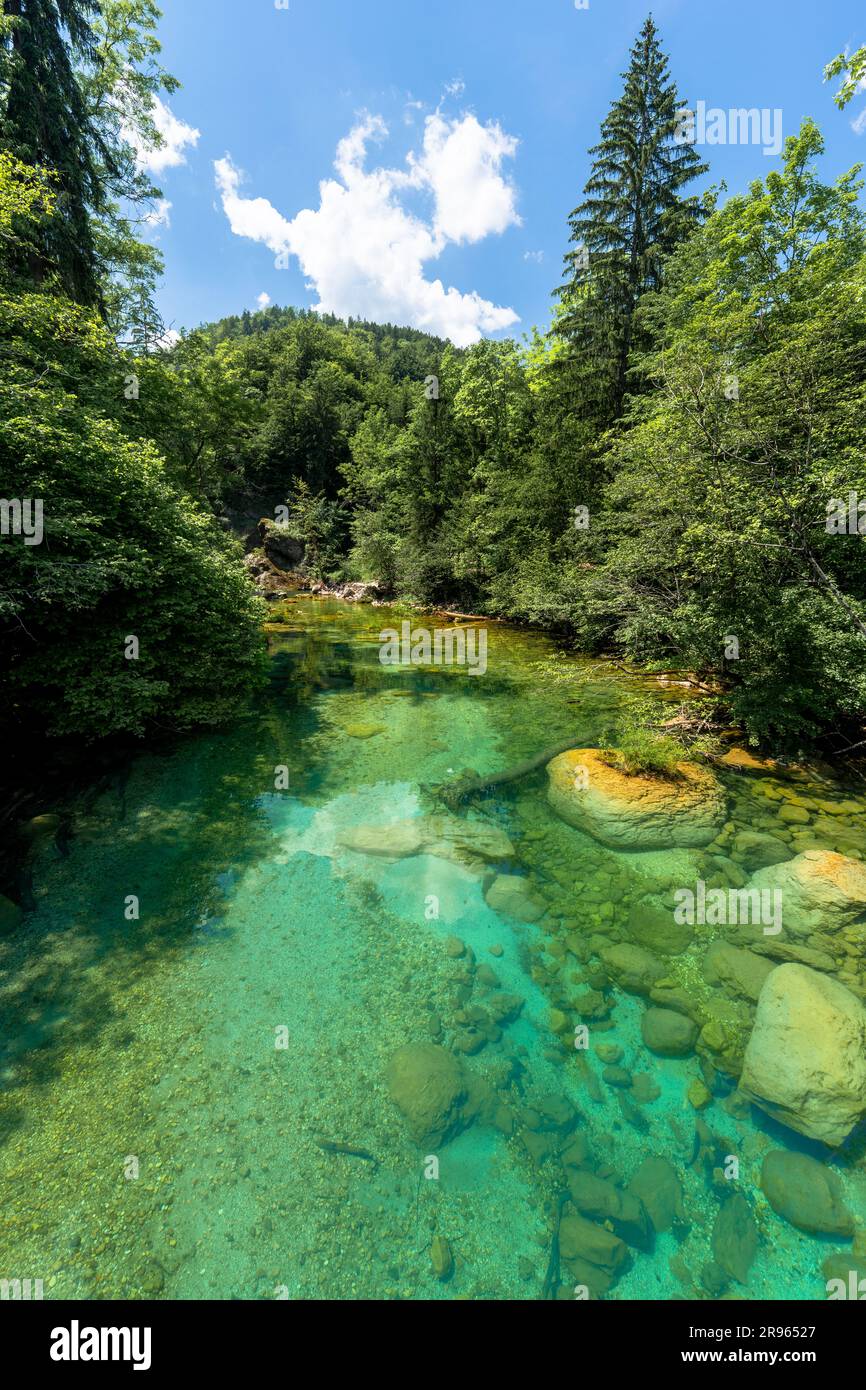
(199, 1016)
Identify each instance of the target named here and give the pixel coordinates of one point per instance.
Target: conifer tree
(44, 122)
(631, 217)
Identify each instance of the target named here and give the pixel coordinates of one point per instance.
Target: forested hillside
(651, 474)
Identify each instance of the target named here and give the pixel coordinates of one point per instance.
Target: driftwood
(466, 617)
(454, 792)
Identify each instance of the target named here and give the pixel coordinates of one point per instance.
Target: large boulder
(806, 1193)
(430, 1089)
(805, 1061)
(282, 549)
(635, 812)
(469, 842)
(821, 890)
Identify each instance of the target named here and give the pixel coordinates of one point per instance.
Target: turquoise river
(199, 1096)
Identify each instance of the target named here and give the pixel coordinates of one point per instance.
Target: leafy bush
(642, 751)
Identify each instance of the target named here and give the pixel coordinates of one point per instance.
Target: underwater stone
(634, 969)
(667, 1033)
(735, 1237)
(511, 895)
(842, 1266)
(441, 1258)
(699, 1094)
(806, 1193)
(757, 851)
(637, 812)
(429, 1087)
(713, 1279)
(600, 1199)
(465, 842)
(580, 1239)
(805, 1062)
(652, 925)
(616, 1076)
(658, 1186)
(741, 973)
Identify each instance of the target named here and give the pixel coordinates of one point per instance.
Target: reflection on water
(241, 1058)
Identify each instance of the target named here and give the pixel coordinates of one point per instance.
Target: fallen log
(454, 792)
(467, 617)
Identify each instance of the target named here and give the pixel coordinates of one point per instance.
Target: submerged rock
(429, 1087)
(667, 1033)
(821, 891)
(741, 973)
(658, 1186)
(580, 1239)
(652, 924)
(805, 1061)
(757, 851)
(467, 842)
(634, 969)
(635, 812)
(441, 1258)
(806, 1193)
(600, 1199)
(735, 1238)
(511, 895)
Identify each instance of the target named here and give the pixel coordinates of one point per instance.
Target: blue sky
(464, 127)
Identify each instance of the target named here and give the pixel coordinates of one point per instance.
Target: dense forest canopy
(652, 476)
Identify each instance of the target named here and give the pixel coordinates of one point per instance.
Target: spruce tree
(44, 122)
(631, 217)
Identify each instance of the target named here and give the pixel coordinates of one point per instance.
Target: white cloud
(461, 164)
(176, 135)
(536, 256)
(263, 300)
(364, 253)
(159, 215)
(167, 340)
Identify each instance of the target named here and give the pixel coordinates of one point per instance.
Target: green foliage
(717, 510)
(124, 552)
(851, 67)
(319, 523)
(640, 751)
